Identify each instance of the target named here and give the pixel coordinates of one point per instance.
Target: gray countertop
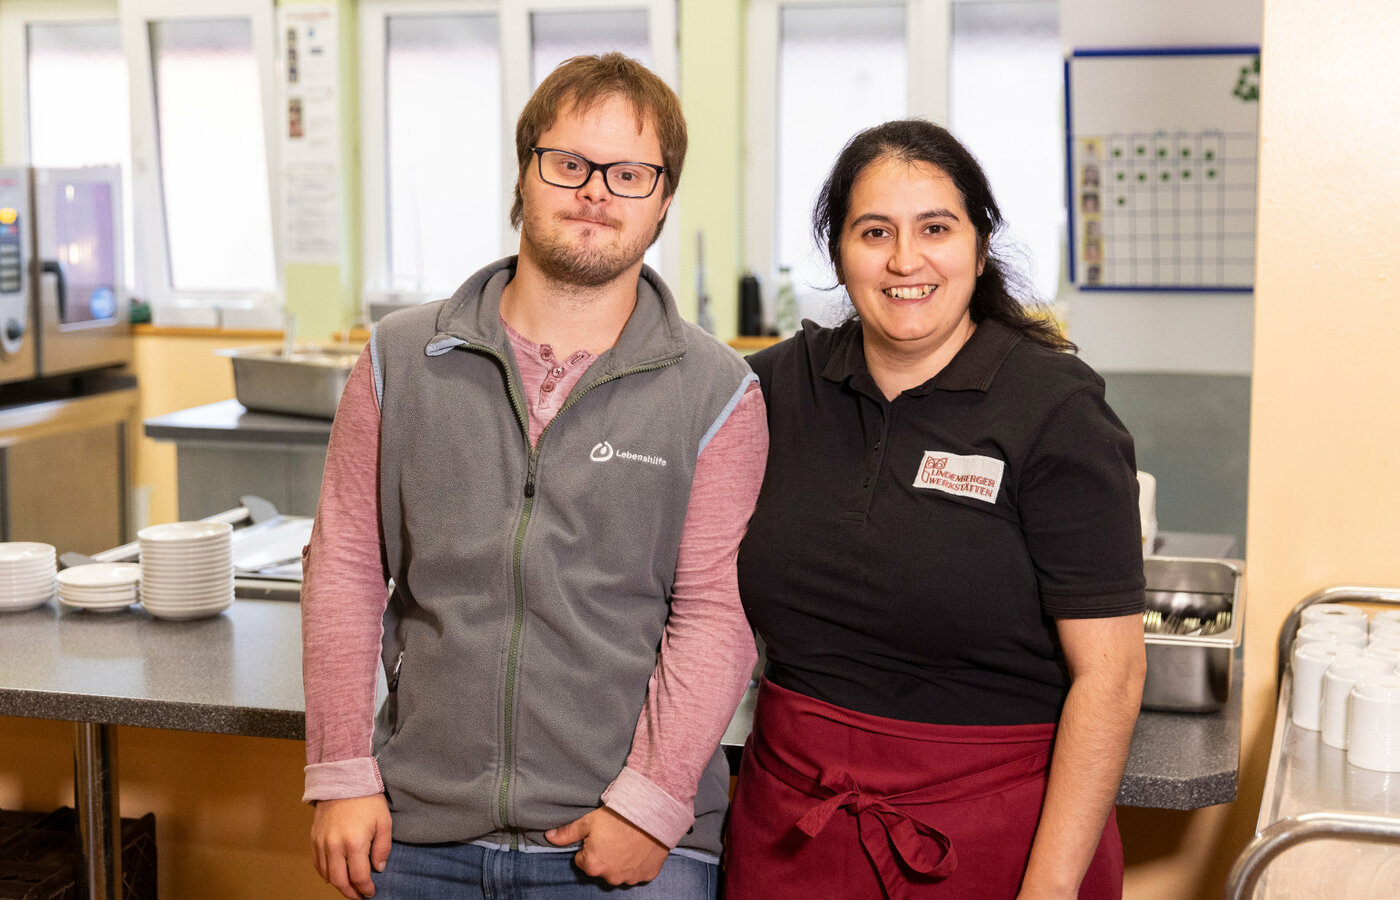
(1183, 760)
(240, 673)
(230, 422)
(235, 673)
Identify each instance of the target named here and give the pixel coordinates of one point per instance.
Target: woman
(945, 565)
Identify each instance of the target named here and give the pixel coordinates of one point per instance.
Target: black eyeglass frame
(597, 167)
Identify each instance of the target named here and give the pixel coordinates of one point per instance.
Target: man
(555, 470)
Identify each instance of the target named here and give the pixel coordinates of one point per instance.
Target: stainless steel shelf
(1326, 828)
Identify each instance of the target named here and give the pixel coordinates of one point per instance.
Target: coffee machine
(63, 299)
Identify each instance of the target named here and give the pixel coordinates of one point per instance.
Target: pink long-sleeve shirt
(707, 650)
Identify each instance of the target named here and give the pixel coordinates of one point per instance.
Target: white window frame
(153, 262)
(15, 18)
(929, 26)
(513, 21)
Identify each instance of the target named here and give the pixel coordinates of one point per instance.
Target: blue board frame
(1072, 193)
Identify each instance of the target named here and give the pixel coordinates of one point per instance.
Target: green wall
(325, 298)
(711, 193)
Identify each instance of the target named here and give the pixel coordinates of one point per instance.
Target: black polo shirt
(908, 558)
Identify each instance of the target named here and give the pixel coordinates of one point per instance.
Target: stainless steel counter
(223, 450)
(1326, 828)
(1309, 779)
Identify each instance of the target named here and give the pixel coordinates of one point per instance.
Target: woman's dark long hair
(915, 140)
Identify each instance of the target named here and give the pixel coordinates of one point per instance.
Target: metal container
(306, 382)
(1192, 673)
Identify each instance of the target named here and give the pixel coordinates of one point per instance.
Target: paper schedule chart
(1162, 168)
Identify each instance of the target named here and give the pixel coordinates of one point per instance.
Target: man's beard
(583, 265)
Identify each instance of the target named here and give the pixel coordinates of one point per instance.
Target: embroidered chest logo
(978, 477)
(603, 451)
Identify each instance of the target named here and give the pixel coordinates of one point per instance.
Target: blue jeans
(456, 871)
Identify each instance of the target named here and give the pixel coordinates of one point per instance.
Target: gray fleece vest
(531, 588)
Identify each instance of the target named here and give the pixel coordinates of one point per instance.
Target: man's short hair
(584, 81)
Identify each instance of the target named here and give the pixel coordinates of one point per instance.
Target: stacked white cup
(1384, 649)
(1341, 676)
(1310, 663)
(1385, 625)
(1334, 612)
(1373, 733)
(1339, 631)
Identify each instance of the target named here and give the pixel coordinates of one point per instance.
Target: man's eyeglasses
(633, 180)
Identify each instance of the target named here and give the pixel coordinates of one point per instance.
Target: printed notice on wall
(310, 133)
(1163, 153)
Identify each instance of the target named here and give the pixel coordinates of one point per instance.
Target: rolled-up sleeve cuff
(638, 800)
(341, 779)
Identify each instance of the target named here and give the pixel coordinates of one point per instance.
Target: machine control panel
(11, 259)
(17, 356)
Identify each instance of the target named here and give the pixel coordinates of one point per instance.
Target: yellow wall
(173, 372)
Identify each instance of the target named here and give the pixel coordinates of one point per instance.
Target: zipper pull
(394, 675)
(530, 473)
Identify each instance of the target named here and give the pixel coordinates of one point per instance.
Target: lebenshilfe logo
(978, 477)
(603, 451)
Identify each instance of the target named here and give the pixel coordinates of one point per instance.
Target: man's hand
(347, 838)
(614, 849)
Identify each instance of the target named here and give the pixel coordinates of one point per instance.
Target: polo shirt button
(556, 371)
(547, 386)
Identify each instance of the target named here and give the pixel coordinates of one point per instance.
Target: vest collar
(654, 333)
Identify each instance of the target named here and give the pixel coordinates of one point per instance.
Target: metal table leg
(99, 815)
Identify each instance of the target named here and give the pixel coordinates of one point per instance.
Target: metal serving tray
(1191, 673)
(306, 382)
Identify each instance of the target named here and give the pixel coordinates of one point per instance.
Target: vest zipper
(518, 614)
(517, 570)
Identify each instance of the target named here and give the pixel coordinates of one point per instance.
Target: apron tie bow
(886, 832)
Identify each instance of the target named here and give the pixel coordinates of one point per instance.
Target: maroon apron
(836, 803)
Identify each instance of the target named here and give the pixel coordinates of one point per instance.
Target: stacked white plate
(186, 569)
(99, 587)
(26, 574)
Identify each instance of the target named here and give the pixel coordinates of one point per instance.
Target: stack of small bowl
(186, 569)
(27, 572)
(99, 587)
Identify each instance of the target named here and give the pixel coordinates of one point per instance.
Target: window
(556, 35)
(840, 69)
(1006, 99)
(203, 155)
(441, 85)
(76, 99)
(821, 70)
(443, 145)
(213, 160)
(68, 106)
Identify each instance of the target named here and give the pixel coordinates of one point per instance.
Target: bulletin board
(1161, 168)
